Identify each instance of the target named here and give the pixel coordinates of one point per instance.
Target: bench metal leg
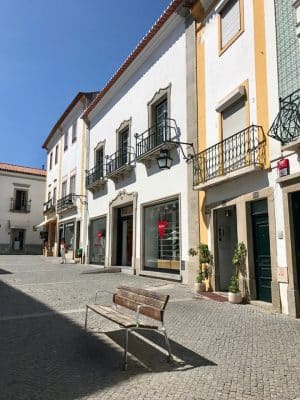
(125, 349)
(170, 357)
(86, 316)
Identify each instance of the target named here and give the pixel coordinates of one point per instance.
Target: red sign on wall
(161, 227)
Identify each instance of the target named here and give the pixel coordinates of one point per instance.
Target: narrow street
(223, 351)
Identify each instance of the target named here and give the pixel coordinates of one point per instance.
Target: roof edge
(133, 55)
(65, 114)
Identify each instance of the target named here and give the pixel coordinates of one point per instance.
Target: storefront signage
(161, 227)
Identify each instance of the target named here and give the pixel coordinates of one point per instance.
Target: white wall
(36, 188)
(163, 66)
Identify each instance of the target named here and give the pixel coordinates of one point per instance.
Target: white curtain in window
(230, 20)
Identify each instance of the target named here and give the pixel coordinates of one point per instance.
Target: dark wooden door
(296, 228)
(261, 240)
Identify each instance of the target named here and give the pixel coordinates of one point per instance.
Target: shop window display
(97, 241)
(162, 237)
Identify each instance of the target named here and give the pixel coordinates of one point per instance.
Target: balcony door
(161, 114)
(99, 160)
(233, 146)
(123, 146)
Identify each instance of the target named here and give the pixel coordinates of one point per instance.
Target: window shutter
(234, 119)
(230, 20)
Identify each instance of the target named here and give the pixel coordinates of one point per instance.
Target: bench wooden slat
(113, 315)
(146, 293)
(155, 313)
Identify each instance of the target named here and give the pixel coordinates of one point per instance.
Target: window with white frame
(230, 21)
(50, 160)
(66, 138)
(56, 154)
(74, 132)
(64, 189)
(72, 184)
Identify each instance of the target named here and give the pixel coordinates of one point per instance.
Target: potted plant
(239, 264)
(205, 261)
(200, 285)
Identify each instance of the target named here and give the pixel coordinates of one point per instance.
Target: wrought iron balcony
(286, 126)
(66, 202)
(150, 142)
(20, 206)
(95, 179)
(243, 149)
(49, 206)
(119, 164)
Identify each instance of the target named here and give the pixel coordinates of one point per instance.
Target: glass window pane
(97, 241)
(162, 237)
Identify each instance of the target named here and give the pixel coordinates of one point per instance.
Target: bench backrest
(131, 297)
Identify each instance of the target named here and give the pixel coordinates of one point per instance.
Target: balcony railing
(49, 206)
(119, 163)
(20, 206)
(154, 137)
(286, 126)
(243, 149)
(66, 202)
(95, 178)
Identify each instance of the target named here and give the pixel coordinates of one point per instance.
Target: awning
(45, 222)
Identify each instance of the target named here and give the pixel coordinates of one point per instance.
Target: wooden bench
(150, 304)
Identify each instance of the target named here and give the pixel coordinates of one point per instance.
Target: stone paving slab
(222, 351)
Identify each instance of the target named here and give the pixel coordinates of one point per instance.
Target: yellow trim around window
(261, 81)
(247, 109)
(201, 97)
(236, 36)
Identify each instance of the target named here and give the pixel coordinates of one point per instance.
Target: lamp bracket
(187, 156)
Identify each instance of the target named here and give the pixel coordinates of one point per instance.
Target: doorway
(295, 209)
(261, 247)
(226, 240)
(124, 235)
(17, 239)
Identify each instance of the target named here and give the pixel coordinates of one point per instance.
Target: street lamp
(164, 161)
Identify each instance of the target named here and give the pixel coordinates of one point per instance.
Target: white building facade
(244, 65)
(65, 205)
(141, 217)
(21, 199)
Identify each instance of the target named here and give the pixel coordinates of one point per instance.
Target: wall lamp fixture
(164, 161)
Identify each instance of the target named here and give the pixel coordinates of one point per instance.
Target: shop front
(97, 241)
(67, 232)
(161, 252)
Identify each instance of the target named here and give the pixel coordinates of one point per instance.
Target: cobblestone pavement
(223, 351)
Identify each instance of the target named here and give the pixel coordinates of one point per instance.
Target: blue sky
(52, 49)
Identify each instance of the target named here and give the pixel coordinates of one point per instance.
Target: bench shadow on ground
(149, 348)
(45, 355)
